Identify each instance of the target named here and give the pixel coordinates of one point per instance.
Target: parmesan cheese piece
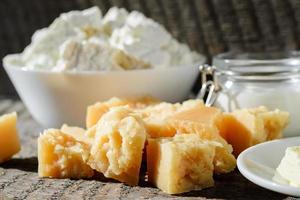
(247, 127)
(78, 133)
(118, 147)
(62, 156)
(181, 163)
(95, 111)
(203, 121)
(9, 139)
(156, 116)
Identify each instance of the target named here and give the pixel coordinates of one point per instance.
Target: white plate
(259, 162)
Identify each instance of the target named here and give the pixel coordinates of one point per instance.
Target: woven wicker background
(208, 26)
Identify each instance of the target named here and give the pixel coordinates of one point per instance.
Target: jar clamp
(209, 88)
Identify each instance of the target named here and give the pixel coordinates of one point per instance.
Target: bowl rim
(7, 65)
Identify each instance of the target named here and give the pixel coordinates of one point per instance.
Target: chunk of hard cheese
(9, 139)
(94, 112)
(155, 116)
(203, 121)
(78, 133)
(274, 123)
(181, 163)
(246, 127)
(62, 156)
(118, 146)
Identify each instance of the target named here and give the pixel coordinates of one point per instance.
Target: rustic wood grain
(19, 179)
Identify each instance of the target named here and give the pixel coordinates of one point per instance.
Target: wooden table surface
(19, 178)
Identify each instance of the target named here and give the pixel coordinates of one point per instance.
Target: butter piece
(118, 147)
(247, 127)
(181, 163)
(289, 167)
(9, 139)
(95, 111)
(62, 156)
(203, 121)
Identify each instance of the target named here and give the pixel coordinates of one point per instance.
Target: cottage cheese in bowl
(84, 57)
(87, 41)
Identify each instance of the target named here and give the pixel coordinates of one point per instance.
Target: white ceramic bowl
(54, 98)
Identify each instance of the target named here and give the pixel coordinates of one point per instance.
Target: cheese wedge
(203, 121)
(9, 139)
(247, 127)
(62, 156)
(118, 147)
(95, 111)
(181, 163)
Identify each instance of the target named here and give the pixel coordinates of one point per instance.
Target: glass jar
(255, 79)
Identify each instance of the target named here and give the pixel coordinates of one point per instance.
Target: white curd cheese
(84, 40)
(43, 52)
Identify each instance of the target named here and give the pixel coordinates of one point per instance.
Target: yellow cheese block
(94, 112)
(62, 156)
(151, 111)
(247, 127)
(203, 121)
(78, 133)
(9, 139)
(155, 116)
(118, 147)
(181, 163)
(274, 122)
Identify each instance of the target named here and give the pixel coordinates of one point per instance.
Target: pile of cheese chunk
(183, 144)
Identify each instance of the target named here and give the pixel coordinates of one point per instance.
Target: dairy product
(93, 55)
(86, 41)
(118, 145)
(43, 52)
(275, 95)
(203, 122)
(156, 116)
(77, 133)
(62, 156)
(95, 111)
(181, 163)
(246, 127)
(289, 167)
(9, 138)
(146, 39)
